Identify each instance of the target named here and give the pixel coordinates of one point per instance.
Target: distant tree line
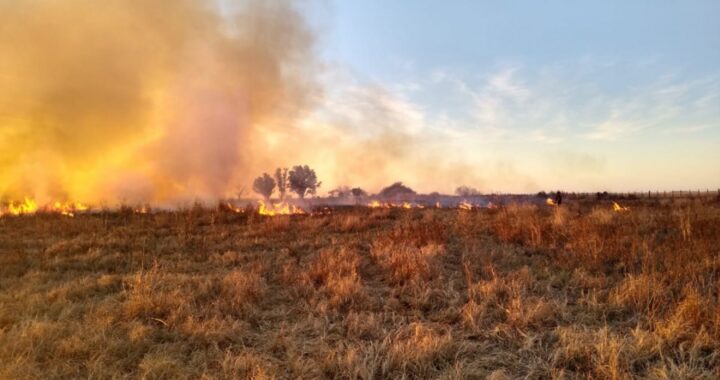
(302, 180)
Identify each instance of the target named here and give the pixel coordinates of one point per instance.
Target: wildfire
(30, 206)
(234, 208)
(550, 202)
(67, 208)
(377, 204)
(618, 208)
(406, 205)
(465, 205)
(282, 208)
(322, 211)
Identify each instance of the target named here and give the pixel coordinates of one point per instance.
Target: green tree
(264, 185)
(303, 180)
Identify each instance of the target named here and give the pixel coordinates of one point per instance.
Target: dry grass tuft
(407, 263)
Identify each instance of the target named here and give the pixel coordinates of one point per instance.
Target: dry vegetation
(517, 292)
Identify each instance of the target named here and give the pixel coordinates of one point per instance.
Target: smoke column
(145, 100)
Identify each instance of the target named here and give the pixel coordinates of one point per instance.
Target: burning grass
(535, 291)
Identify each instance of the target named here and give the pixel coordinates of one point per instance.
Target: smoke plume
(145, 100)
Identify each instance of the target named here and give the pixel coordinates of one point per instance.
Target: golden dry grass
(518, 292)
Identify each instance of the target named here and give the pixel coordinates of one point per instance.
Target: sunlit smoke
(144, 101)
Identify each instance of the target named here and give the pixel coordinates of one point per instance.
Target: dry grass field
(520, 291)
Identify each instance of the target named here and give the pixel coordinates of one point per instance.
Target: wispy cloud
(462, 124)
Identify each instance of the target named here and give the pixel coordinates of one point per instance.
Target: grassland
(516, 292)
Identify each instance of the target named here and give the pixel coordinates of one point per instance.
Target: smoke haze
(128, 100)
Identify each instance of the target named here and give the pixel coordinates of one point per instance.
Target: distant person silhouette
(558, 198)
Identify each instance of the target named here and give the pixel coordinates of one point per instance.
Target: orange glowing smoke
(101, 101)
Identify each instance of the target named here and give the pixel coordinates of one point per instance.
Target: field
(521, 291)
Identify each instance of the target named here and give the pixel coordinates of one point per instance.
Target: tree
(264, 185)
(466, 191)
(303, 180)
(395, 190)
(358, 192)
(340, 192)
(240, 193)
(281, 179)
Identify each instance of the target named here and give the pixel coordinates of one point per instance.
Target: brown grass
(517, 292)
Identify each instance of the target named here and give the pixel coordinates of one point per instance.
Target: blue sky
(379, 36)
(578, 95)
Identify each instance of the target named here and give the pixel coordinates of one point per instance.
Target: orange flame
(407, 205)
(233, 208)
(377, 204)
(29, 206)
(142, 209)
(67, 208)
(618, 208)
(550, 202)
(281, 208)
(465, 205)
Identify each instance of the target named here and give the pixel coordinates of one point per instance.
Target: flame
(376, 204)
(465, 205)
(322, 211)
(618, 208)
(66, 208)
(281, 208)
(234, 208)
(406, 205)
(28, 206)
(142, 210)
(437, 205)
(550, 202)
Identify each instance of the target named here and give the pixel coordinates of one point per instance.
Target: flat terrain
(579, 291)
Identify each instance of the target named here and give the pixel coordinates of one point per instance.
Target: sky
(531, 95)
